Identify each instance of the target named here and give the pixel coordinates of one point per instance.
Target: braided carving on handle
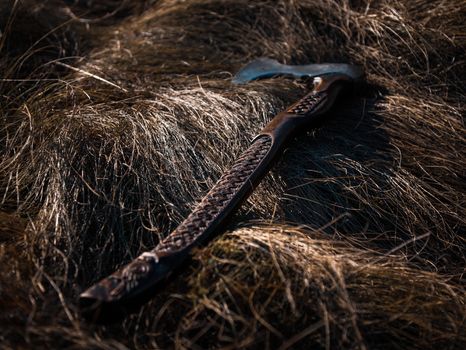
(217, 199)
(308, 103)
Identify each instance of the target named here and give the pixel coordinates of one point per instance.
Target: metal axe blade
(266, 67)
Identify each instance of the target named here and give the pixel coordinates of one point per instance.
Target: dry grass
(116, 117)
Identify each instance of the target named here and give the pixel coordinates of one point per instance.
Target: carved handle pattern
(218, 199)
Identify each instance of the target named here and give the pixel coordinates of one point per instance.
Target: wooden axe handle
(135, 283)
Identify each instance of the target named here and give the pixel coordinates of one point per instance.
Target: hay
(117, 117)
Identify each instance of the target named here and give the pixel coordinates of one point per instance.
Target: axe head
(266, 67)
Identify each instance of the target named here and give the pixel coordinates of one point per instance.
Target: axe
(134, 284)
